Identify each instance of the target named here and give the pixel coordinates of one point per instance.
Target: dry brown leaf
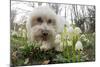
(46, 62)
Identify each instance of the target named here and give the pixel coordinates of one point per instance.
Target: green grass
(24, 53)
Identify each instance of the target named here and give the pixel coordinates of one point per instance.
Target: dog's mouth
(44, 38)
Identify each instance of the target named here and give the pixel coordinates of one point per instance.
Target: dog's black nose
(45, 32)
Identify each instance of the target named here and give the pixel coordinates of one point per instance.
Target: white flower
(82, 36)
(58, 36)
(20, 29)
(77, 30)
(23, 33)
(14, 33)
(88, 41)
(78, 45)
(70, 29)
(58, 39)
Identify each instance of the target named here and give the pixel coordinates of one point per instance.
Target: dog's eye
(49, 21)
(39, 19)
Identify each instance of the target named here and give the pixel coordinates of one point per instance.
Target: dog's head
(42, 24)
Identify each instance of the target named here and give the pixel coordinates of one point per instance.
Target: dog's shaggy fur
(42, 26)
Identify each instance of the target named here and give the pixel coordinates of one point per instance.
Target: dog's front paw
(45, 47)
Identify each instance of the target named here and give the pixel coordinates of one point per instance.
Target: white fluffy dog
(42, 26)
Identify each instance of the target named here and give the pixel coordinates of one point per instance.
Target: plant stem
(79, 56)
(73, 54)
(68, 54)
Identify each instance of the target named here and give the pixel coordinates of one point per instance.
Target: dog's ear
(60, 23)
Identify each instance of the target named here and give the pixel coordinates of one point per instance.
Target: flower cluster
(68, 36)
(20, 33)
